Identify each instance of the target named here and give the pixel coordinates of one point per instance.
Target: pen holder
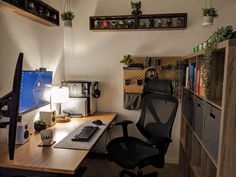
(46, 137)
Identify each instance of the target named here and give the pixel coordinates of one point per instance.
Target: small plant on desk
(40, 125)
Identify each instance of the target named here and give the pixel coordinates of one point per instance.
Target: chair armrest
(124, 124)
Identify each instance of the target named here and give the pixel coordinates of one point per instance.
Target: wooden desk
(30, 157)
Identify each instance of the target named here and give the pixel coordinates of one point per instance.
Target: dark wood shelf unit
(139, 22)
(39, 12)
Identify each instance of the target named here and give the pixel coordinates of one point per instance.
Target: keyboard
(85, 134)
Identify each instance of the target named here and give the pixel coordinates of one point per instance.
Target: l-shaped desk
(31, 160)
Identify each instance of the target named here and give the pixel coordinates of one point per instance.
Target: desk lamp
(59, 95)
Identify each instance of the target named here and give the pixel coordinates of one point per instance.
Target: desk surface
(51, 160)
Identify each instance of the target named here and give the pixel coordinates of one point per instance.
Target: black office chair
(155, 123)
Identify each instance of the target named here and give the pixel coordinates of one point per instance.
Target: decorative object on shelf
(169, 22)
(40, 125)
(96, 23)
(67, 16)
(130, 23)
(126, 60)
(208, 14)
(180, 22)
(220, 35)
(121, 23)
(113, 23)
(136, 6)
(105, 23)
(151, 22)
(142, 24)
(159, 22)
(31, 5)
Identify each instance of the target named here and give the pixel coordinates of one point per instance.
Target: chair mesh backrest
(158, 86)
(158, 115)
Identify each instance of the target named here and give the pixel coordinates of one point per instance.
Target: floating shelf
(35, 10)
(173, 21)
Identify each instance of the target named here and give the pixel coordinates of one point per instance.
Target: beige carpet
(105, 168)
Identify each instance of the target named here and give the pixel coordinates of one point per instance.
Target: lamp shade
(59, 94)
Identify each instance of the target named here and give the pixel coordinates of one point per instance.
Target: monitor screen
(35, 90)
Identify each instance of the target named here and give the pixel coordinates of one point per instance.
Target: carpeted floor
(106, 168)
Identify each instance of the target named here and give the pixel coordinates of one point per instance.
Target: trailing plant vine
(220, 35)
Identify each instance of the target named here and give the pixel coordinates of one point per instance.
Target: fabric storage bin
(189, 108)
(198, 116)
(211, 130)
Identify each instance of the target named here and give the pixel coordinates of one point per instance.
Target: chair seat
(129, 152)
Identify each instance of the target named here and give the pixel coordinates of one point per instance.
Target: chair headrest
(158, 86)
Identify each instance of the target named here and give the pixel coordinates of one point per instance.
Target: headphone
(95, 91)
(150, 74)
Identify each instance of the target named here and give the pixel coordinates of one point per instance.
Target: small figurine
(129, 23)
(142, 24)
(151, 22)
(54, 16)
(136, 6)
(113, 23)
(121, 23)
(180, 22)
(168, 22)
(160, 22)
(31, 5)
(105, 23)
(47, 13)
(96, 23)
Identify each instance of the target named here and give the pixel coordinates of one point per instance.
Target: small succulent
(40, 122)
(210, 12)
(68, 15)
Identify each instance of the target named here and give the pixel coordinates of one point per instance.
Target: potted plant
(40, 125)
(126, 60)
(67, 17)
(208, 15)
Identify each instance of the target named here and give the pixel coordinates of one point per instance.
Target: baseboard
(172, 160)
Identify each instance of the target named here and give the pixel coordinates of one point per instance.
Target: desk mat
(67, 143)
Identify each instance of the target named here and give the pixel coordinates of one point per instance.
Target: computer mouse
(97, 122)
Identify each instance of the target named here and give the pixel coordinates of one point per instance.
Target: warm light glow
(59, 94)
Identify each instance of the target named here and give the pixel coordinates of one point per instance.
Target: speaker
(22, 133)
(49, 117)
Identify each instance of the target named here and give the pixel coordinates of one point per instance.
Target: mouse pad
(67, 143)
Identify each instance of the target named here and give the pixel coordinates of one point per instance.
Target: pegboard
(166, 68)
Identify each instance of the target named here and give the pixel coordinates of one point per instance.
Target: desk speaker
(49, 117)
(22, 133)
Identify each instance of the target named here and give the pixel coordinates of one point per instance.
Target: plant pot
(207, 20)
(68, 23)
(39, 127)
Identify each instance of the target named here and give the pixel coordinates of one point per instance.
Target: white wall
(96, 55)
(42, 47)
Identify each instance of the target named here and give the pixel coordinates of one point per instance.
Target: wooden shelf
(150, 22)
(50, 19)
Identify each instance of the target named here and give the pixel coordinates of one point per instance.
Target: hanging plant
(209, 14)
(220, 35)
(67, 16)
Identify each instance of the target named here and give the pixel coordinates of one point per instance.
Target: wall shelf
(35, 10)
(151, 22)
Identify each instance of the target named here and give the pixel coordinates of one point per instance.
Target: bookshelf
(208, 124)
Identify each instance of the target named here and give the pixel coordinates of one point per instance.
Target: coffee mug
(46, 136)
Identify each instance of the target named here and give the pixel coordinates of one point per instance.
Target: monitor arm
(4, 101)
